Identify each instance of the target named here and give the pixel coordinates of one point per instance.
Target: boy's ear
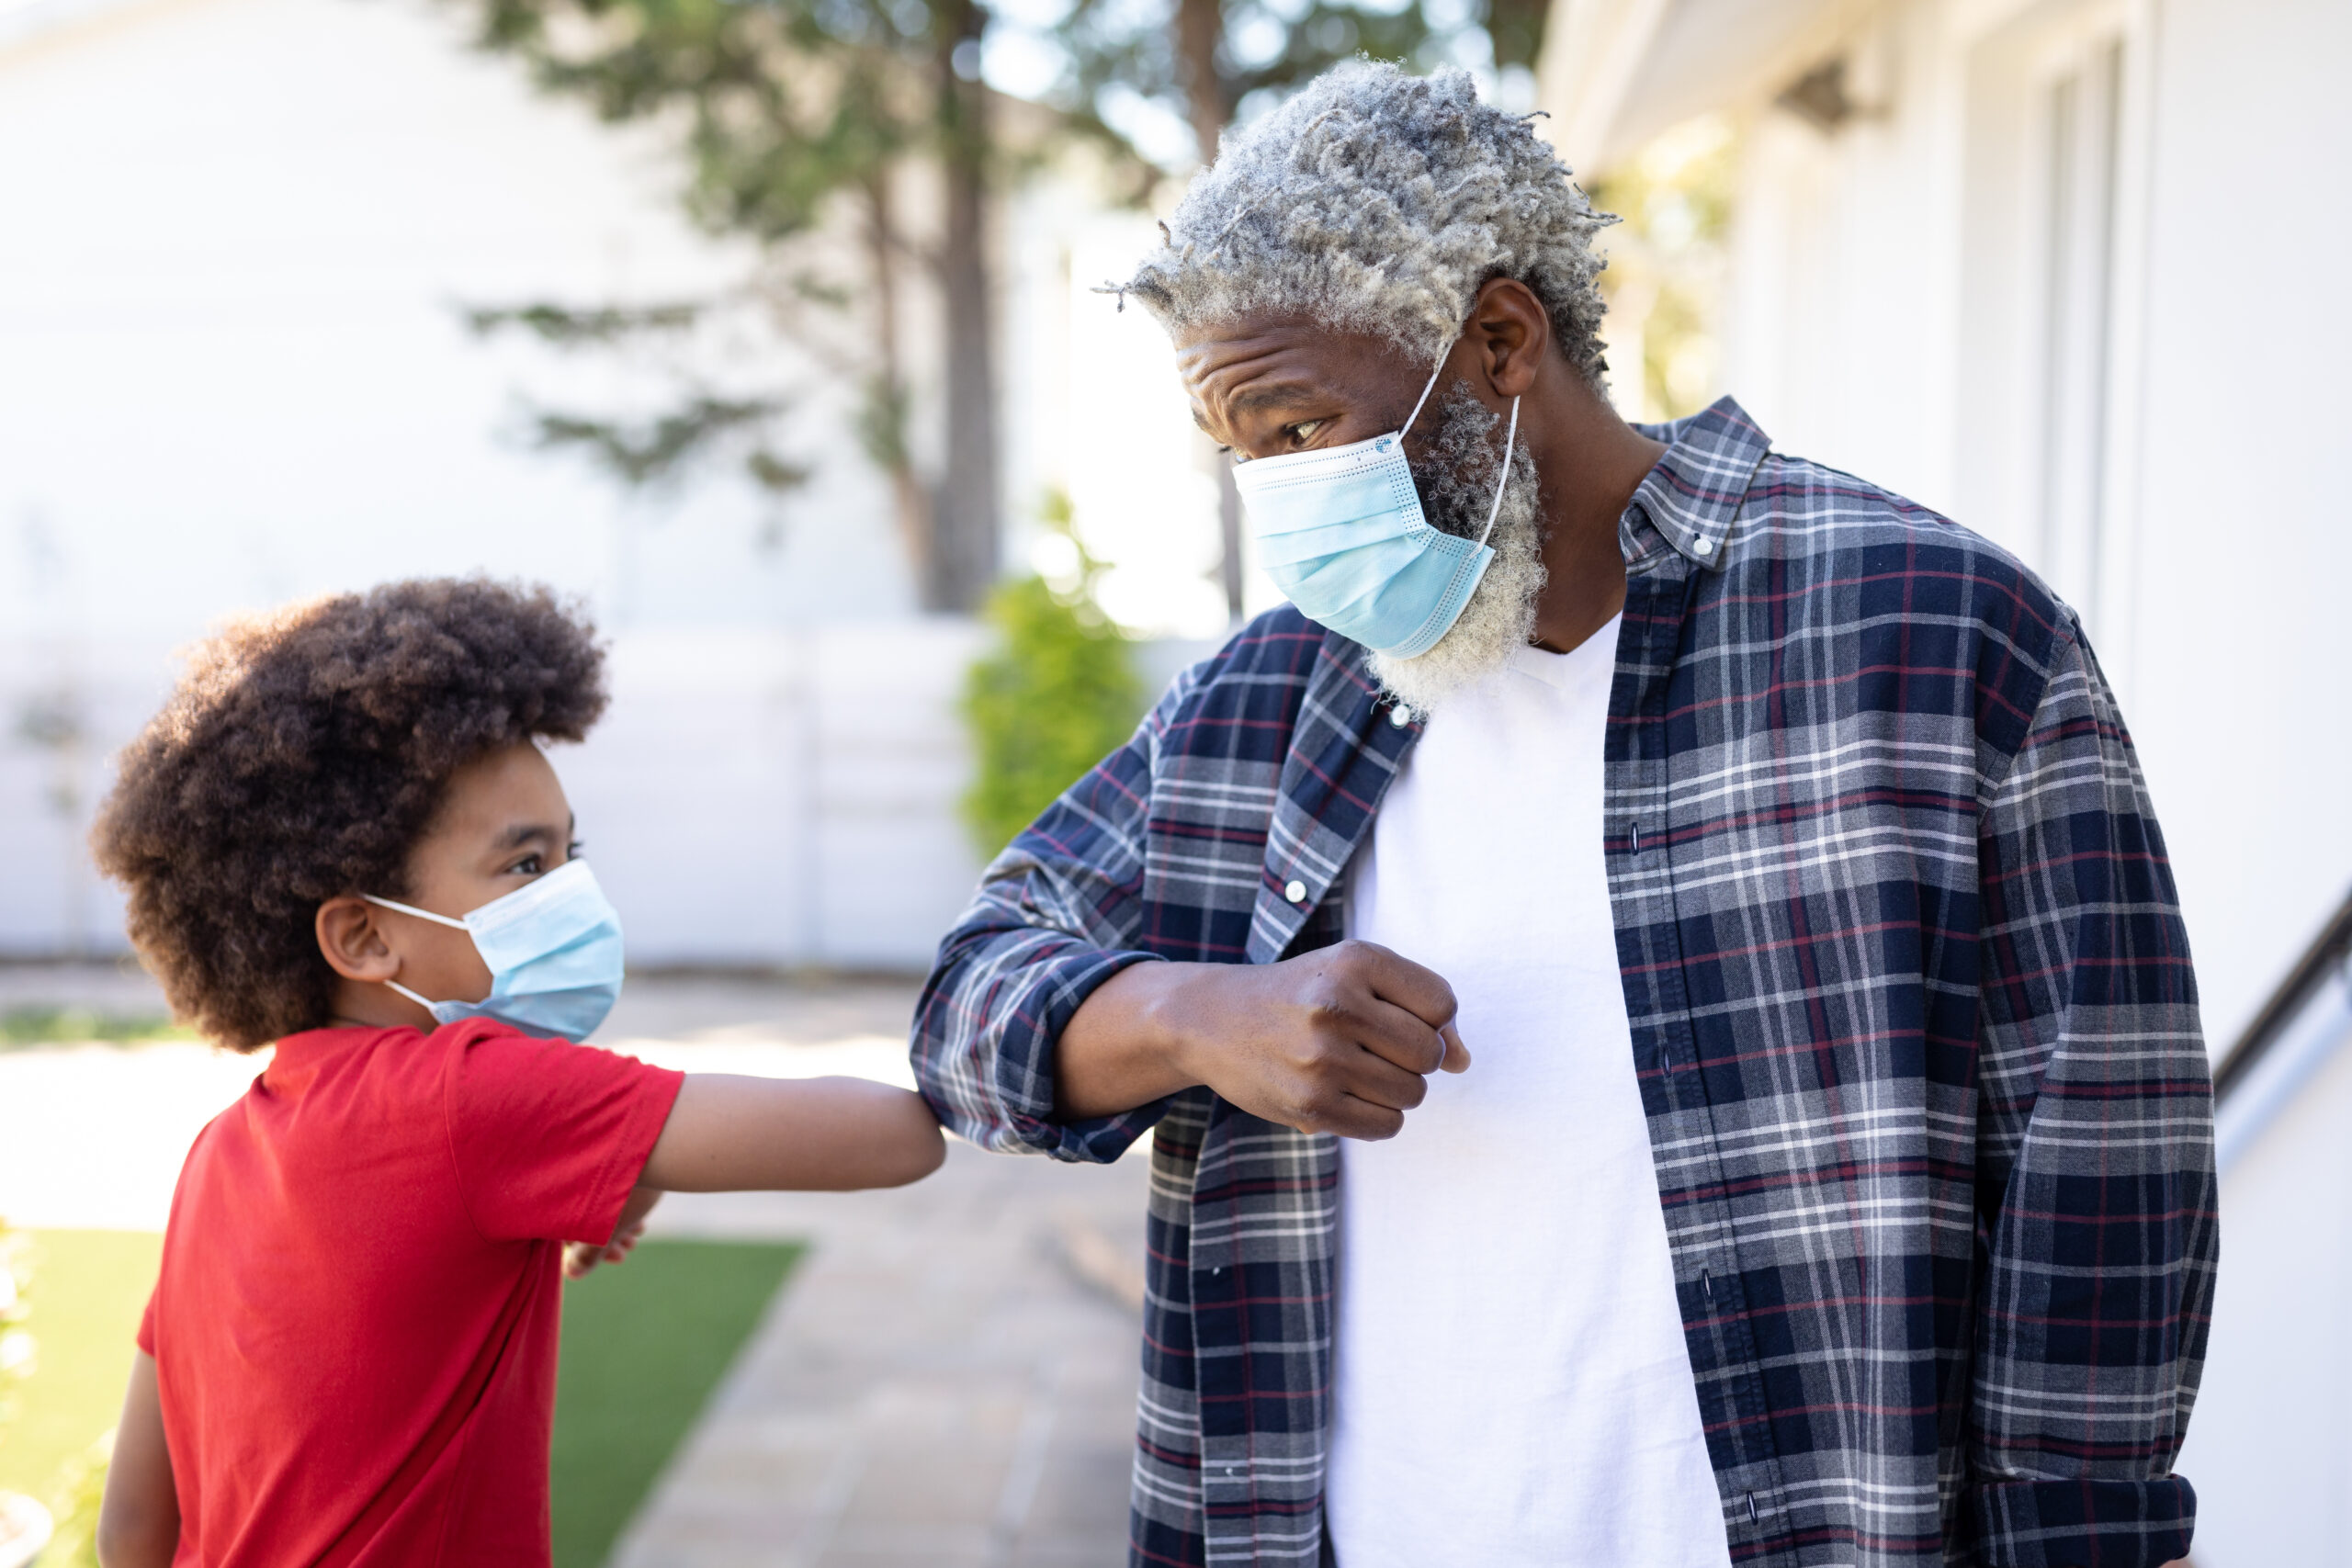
(352, 942)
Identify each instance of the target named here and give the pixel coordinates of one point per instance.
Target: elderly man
(1655, 983)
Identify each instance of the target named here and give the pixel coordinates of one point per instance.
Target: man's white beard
(1457, 485)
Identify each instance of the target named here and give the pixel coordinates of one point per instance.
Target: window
(2079, 137)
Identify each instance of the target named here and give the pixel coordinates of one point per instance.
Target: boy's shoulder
(358, 1083)
(507, 1134)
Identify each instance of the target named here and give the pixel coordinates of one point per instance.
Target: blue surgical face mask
(1340, 531)
(554, 950)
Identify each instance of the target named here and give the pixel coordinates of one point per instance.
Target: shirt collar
(1694, 493)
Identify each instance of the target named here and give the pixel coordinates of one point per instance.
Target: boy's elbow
(913, 1147)
(127, 1539)
(926, 1148)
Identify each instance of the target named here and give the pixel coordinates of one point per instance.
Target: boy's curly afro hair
(301, 757)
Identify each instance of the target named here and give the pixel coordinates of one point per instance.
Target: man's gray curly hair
(1380, 202)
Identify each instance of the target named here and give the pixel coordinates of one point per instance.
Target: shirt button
(1296, 891)
(1702, 546)
(1400, 715)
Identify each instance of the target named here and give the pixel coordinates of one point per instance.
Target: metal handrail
(2332, 947)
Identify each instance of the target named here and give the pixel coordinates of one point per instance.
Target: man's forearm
(1119, 1051)
(1333, 1041)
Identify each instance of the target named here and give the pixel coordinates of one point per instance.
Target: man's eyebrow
(1278, 395)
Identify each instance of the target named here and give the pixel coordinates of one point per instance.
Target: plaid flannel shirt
(1911, 1013)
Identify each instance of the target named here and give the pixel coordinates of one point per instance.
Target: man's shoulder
(1821, 531)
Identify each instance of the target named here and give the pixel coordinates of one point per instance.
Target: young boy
(342, 835)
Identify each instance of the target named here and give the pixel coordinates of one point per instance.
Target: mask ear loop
(422, 915)
(1510, 440)
(396, 986)
(1502, 486)
(1426, 390)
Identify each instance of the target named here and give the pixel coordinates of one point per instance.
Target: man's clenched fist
(1339, 1041)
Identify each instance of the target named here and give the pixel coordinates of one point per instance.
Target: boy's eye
(576, 849)
(528, 866)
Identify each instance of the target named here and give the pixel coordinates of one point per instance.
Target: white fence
(753, 798)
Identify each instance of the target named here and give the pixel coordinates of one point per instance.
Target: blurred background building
(248, 248)
(301, 295)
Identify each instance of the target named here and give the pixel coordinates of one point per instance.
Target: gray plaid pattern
(1912, 1021)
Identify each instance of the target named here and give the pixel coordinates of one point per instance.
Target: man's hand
(580, 1256)
(1339, 1041)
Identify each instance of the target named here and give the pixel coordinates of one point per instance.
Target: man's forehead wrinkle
(1209, 358)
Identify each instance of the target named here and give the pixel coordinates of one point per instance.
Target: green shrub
(1056, 694)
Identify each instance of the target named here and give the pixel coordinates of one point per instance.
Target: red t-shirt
(355, 1329)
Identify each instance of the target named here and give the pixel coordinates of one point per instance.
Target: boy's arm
(728, 1133)
(731, 1135)
(580, 1257)
(139, 1522)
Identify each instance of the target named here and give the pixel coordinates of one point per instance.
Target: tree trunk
(964, 534)
(1200, 26)
(887, 397)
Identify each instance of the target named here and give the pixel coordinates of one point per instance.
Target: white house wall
(2242, 688)
(1880, 315)
(2265, 1448)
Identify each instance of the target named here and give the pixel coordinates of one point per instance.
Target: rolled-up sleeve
(1057, 915)
(2095, 1176)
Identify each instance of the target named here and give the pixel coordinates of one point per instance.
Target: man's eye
(1304, 431)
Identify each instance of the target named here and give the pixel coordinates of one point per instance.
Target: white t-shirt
(1511, 1386)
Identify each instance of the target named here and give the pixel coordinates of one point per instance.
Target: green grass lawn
(37, 1026)
(643, 1345)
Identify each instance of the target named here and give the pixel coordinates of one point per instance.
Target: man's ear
(1514, 333)
(353, 941)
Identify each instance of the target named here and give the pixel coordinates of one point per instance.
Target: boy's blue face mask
(1340, 531)
(554, 950)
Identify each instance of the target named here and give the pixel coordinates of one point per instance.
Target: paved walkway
(949, 1379)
